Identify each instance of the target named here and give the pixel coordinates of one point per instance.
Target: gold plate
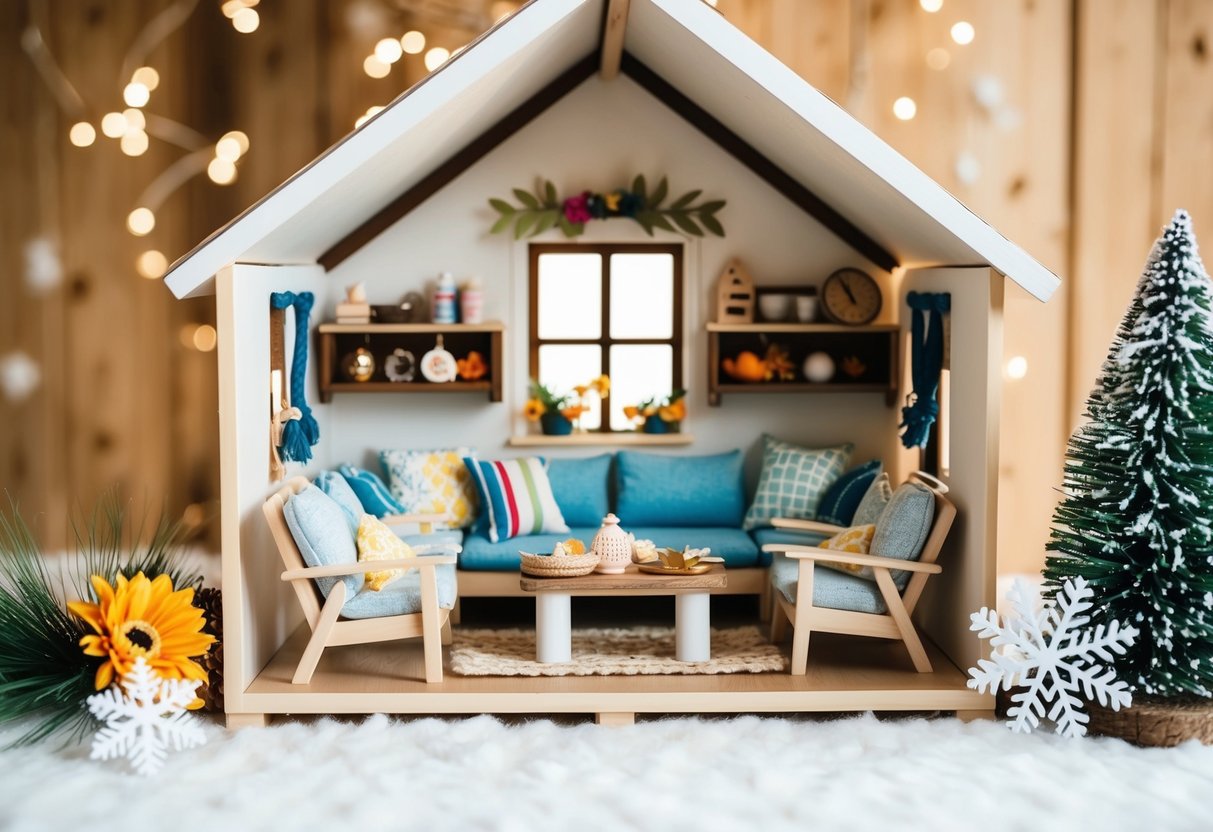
(658, 569)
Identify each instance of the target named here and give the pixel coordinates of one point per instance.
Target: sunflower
(533, 410)
(674, 412)
(145, 618)
(602, 385)
(631, 412)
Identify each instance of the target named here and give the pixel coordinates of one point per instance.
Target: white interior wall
(598, 138)
(253, 591)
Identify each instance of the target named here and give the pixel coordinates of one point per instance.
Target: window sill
(533, 440)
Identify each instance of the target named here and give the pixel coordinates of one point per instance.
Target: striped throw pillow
(516, 497)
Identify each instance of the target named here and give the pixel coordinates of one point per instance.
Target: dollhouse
(586, 94)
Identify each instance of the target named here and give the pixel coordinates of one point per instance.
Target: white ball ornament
(818, 367)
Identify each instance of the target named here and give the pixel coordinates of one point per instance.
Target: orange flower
(574, 411)
(602, 385)
(473, 367)
(533, 410)
(582, 389)
(632, 412)
(675, 412)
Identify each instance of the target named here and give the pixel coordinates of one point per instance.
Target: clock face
(851, 297)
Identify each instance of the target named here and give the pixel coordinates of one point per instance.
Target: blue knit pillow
(838, 504)
(334, 485)
(371, 491)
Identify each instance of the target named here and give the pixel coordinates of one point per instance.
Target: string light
(246, 21)
(113, 125)
(151, 264)
(370, 111)
(205, 338)
(238, 137)
(939, 58)
(388, 50)
(412, 42)
(227, 149)
(146, 76)
(375, 68)
(905, 108)
(436, 57)
(134, 143)
(963, 32)
(135, 120)
(141, 221)
(1017, 367)
(136, 94)
(931, 6)
(82, 134)
(221, 171)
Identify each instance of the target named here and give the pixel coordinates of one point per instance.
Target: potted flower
(557, 415)
(660, 414)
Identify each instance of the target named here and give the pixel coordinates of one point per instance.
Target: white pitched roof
(685, 42)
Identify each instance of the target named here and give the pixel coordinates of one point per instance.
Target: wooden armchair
(894, 622)
(329, 628)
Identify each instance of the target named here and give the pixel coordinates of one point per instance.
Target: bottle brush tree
(1137, 517)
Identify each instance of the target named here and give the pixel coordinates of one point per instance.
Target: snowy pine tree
(1135, 521)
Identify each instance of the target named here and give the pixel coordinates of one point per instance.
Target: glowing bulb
(82, 134)
(931, 6)
(151, 264)
(939, 58)
(388, 50)
(205, 338)
(370, 111)
(140, 221)
(375, 68)
(239, 138)
(905, 108)
(1017, 367)
(134, 143)
(436, 57)
(412, 42)
(963, 32)
(146, 76)
(245, 21)
(136, 94)
(113, 125)
(135, 120)
(221, 171)
(227, 149)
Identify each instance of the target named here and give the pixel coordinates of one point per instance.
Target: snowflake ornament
(1053, 654)
(144, 715)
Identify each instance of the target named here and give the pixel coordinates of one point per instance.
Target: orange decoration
(747, 367)
(853, 367)
(473, 367)
(778, 365)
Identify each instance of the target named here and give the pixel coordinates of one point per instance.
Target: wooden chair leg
(431, 627)
(766, 601)
(320, 634)
(446, 631)
(800, 624)
(779, 623)
(901, 618)
(456, 611)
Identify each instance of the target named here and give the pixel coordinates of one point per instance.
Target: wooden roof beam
(614, 27)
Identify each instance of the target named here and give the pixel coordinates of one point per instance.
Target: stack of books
(353, 313)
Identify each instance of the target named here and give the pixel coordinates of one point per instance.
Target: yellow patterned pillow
(433, 482)
(858, 540)
(377, 542)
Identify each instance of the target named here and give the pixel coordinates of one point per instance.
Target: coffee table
(692, 631)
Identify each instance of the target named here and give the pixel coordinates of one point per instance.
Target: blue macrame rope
(298, 435)
(926, 361)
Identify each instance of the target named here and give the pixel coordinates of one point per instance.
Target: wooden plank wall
(1108, 127)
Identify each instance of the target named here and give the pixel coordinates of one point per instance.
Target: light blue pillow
(903, 526)
(793, 480)
(371, 491)
(321, 532)
(681, 491)
(580, 488)
(874, 501)
(334, 485)
(841, 500)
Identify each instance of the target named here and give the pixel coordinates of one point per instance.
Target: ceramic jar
(613, 547)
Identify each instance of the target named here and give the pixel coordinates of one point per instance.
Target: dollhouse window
(607, 309)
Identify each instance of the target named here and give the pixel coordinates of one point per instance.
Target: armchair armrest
(792, 524)
(342, 569)
(815, 553)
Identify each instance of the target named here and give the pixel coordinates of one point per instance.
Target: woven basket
(568, 566)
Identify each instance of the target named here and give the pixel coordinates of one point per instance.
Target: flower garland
(542, 210)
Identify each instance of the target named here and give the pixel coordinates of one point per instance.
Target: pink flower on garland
(576, 208)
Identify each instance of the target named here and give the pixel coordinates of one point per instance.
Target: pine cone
(210, 601)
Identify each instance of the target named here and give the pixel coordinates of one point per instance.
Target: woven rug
(638, 651)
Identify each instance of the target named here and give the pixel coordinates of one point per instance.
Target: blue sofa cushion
(772, 535)
(735, 546)
(372, 492)
(334, 485)
(830, 589)
(580, 488)
(732, 544)
(841, 499)
(322, 534)
(483, 555)
(402, 596)
(661, 490)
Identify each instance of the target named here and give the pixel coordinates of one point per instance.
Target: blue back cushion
(838, 504)
(321, 532)
(372, 492)
(580, 488)
(659, 490)
(334, 485)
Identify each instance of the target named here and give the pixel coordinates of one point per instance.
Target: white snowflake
(1052, 653)
(144, 714)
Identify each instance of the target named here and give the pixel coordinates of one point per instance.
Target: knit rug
(637, 651)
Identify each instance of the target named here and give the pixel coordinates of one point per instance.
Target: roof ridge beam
(614, 27)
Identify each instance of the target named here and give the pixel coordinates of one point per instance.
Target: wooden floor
(845, 674)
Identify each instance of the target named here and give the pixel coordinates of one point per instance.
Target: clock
(850, 296)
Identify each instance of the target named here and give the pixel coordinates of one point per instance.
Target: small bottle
(443, 306)
(471, 302)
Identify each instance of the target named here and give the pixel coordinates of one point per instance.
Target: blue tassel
(926, 362)
(298, 435)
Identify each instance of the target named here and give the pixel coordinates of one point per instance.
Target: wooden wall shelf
(876, 345)
(599, 438)
(336, 340)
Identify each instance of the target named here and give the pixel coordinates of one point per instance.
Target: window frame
(605, 341)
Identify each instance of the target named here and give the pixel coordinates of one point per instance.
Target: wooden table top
(631, 580)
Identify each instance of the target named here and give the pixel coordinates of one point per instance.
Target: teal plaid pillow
(793, 479)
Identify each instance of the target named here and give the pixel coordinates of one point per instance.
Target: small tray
(656, 568)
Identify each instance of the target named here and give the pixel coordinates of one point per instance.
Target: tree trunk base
(1159, 723)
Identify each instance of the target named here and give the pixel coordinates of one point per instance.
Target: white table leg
(692, 629)
(553, 627)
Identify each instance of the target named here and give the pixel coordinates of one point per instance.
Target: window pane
(642, 296)
(638, 372)
(564, 366)
(570, 296)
